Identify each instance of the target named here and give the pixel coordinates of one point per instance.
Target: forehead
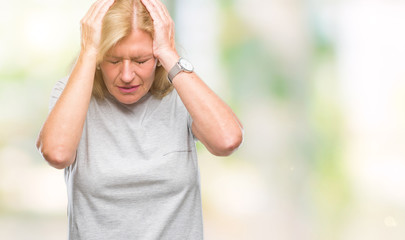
(137, 43)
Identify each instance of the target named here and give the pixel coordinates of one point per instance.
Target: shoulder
(176, 107)
(172, 97)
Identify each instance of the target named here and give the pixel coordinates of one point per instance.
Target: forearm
(62, 130)
(214, 122)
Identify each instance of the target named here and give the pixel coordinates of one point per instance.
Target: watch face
(186, 65)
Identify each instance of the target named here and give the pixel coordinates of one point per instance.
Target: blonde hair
(117, 24)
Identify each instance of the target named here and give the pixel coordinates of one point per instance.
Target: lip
(128, 89)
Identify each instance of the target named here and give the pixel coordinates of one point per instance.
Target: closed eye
(140, 62)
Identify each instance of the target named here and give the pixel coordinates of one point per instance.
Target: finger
(165, 15)
(103, 10)
(162, 9)
(158, 8)
(100, 4)
(160, 16)
(150, 6)
(90, 12)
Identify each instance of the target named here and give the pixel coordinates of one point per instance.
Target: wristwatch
(183, 65)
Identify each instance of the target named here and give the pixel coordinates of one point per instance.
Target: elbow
(57, 157)
(228, 144)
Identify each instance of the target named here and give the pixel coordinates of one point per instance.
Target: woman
(123, 126)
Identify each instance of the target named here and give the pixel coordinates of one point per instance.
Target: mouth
(128, 89)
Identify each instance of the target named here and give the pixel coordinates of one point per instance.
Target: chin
(127, 99)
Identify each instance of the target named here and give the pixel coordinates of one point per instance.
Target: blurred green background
(318, 85)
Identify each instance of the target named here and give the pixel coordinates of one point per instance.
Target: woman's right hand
(61, 133)
(91, 26)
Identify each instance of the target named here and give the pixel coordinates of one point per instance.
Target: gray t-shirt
(136, 173)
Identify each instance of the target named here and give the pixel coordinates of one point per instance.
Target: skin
(129, 68)
(128, 71)
(214, 122)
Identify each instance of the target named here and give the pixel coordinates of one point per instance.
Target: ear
(158, 63)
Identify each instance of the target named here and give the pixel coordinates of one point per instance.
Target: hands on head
(91, 25)
(163, 42)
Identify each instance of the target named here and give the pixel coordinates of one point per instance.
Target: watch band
(182, 65)
(174, 71)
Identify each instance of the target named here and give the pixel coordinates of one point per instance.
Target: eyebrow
(134, 57)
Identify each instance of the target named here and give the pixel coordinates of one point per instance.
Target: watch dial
(186, 65)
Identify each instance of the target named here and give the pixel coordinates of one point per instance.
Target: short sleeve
(57, 91)
(189, 122)
(181, 108)
(189, 125)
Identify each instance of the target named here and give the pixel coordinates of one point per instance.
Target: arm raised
(214, 122)
(62, 130)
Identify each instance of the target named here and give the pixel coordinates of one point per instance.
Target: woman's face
(128, 68)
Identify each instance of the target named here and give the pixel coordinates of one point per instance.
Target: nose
(127, 72)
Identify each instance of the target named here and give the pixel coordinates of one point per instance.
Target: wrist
(183, 65)
(89, 53)
(87, 58)
(168, 59)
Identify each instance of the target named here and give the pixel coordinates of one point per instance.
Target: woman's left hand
(214, 122)
(163, 42)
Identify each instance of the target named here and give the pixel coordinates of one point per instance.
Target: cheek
(108, 74)
(152, 74)
(147, 76)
